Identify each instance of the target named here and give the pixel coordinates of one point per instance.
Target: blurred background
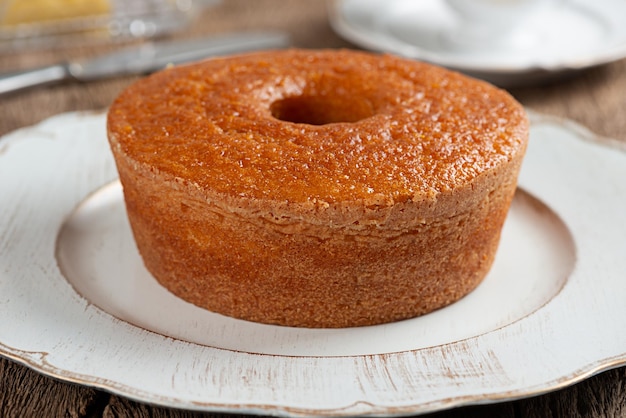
(35, 33)
(33, 36)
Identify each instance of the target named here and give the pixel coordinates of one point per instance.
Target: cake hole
(321, 110)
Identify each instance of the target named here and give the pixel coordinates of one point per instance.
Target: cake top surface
(328, 126)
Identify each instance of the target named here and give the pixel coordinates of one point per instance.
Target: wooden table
(595, 98)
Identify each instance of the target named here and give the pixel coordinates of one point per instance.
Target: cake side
(312, 275)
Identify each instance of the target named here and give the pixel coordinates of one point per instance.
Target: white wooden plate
(76, 302)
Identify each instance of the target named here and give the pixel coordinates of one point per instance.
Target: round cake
(308, 188)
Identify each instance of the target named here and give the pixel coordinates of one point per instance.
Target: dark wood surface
(595, 98)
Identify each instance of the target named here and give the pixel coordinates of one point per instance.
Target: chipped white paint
(47, 170)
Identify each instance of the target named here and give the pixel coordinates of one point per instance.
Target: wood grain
(594, 98)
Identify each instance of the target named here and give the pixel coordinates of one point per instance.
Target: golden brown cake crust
(317, 188)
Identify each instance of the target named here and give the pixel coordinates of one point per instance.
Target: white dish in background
(565, 36)
(558, 283)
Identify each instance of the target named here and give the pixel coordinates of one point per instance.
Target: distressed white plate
(76, 302)
(556, 39)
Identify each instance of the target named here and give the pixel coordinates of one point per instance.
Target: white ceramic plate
(569, 35)
(76, 302)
